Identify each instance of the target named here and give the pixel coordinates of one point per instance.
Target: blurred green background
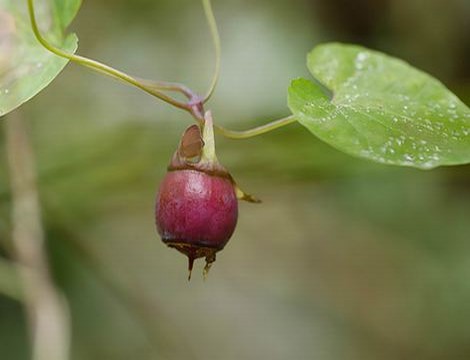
(345, 259)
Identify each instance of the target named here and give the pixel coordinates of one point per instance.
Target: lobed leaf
(377, 107)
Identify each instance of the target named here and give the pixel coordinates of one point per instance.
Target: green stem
(216, 41)
(155, 88)
(245, 134)
(99, 67)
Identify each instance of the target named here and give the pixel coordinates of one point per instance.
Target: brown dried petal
(191, 143)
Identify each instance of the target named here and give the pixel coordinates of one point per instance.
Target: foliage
(380, 108)
(26, 67)
(362, 102)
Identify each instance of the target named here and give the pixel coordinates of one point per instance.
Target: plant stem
(47, 309)
(100, 67)
(245, 134)
(169, 86)
(216, 41)
(195, 104)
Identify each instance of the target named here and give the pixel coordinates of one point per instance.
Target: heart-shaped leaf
(25, 66)
(374, 106)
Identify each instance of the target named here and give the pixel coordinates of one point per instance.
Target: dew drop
(361, 56)
(408, 157)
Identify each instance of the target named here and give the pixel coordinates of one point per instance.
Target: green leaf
(65, 11)
(377, 107)
(25, 66)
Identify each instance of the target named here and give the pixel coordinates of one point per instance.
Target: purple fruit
(197, 207)
(196, 213)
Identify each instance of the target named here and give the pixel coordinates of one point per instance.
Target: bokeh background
(345, 259)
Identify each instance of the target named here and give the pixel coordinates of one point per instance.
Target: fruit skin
(196, 209)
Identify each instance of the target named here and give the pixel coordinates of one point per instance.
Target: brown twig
(47, 309)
